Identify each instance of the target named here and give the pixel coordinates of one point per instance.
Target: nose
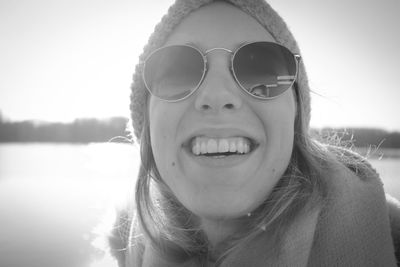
(218, 91)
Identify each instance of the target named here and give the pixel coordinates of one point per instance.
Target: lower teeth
(220, 155)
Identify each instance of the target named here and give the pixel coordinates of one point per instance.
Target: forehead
(218, 25)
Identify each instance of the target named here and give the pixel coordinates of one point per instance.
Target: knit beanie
(258, 9)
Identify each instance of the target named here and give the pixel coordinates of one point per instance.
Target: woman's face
(219, 113)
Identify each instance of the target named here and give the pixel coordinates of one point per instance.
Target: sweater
(358, 226)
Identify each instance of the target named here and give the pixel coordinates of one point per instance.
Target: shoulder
(354, 186)
(394, 218)
(354, 226)
(110, 237)
(119, 235)
(125, 240)
(350, 177)
(355, 190)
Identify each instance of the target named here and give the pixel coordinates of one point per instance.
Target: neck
(218, 230)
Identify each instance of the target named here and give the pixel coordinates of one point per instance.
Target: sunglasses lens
(264, 69)
(173, 72)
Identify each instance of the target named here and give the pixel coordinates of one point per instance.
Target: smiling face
(190, 138)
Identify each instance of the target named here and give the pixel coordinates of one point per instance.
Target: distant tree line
(95, 130)
(78, 131)
(359, 137)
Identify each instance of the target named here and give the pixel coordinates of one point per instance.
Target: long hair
(170, 226)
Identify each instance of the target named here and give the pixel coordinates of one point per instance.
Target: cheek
(163, 132)
(278, 121)
(161, 136)
(278, 117)
(284, 128)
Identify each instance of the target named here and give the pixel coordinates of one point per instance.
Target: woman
(230, 176)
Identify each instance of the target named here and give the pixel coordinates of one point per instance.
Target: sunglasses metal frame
(297, 59)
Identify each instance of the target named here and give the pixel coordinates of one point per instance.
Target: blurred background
(66, 68)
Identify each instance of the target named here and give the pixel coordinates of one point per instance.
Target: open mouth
(221, 147)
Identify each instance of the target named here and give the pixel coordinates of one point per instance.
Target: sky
(67, 59)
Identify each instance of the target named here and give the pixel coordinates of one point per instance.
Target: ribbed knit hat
(258, 9)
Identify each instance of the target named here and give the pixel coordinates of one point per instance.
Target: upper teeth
(206, 145)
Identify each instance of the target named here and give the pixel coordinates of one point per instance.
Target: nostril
(205, 107)
(229, 106)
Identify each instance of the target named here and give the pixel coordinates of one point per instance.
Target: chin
(219, 207)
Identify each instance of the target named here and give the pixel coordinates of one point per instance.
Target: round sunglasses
(263, 70)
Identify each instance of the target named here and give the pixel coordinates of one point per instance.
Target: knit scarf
(352, 229)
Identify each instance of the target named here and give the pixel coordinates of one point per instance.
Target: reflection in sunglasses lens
(264, 69)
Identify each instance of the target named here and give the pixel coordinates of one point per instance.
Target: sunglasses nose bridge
(217, 90)
(218, 48)
(220, 62)
(209, 59)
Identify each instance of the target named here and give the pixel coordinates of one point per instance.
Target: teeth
(196, 149)
(206, 145)
(223, 146)
(246, 148)
(212, 146)
(232, 147)
(203, 148)
(240, 147)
